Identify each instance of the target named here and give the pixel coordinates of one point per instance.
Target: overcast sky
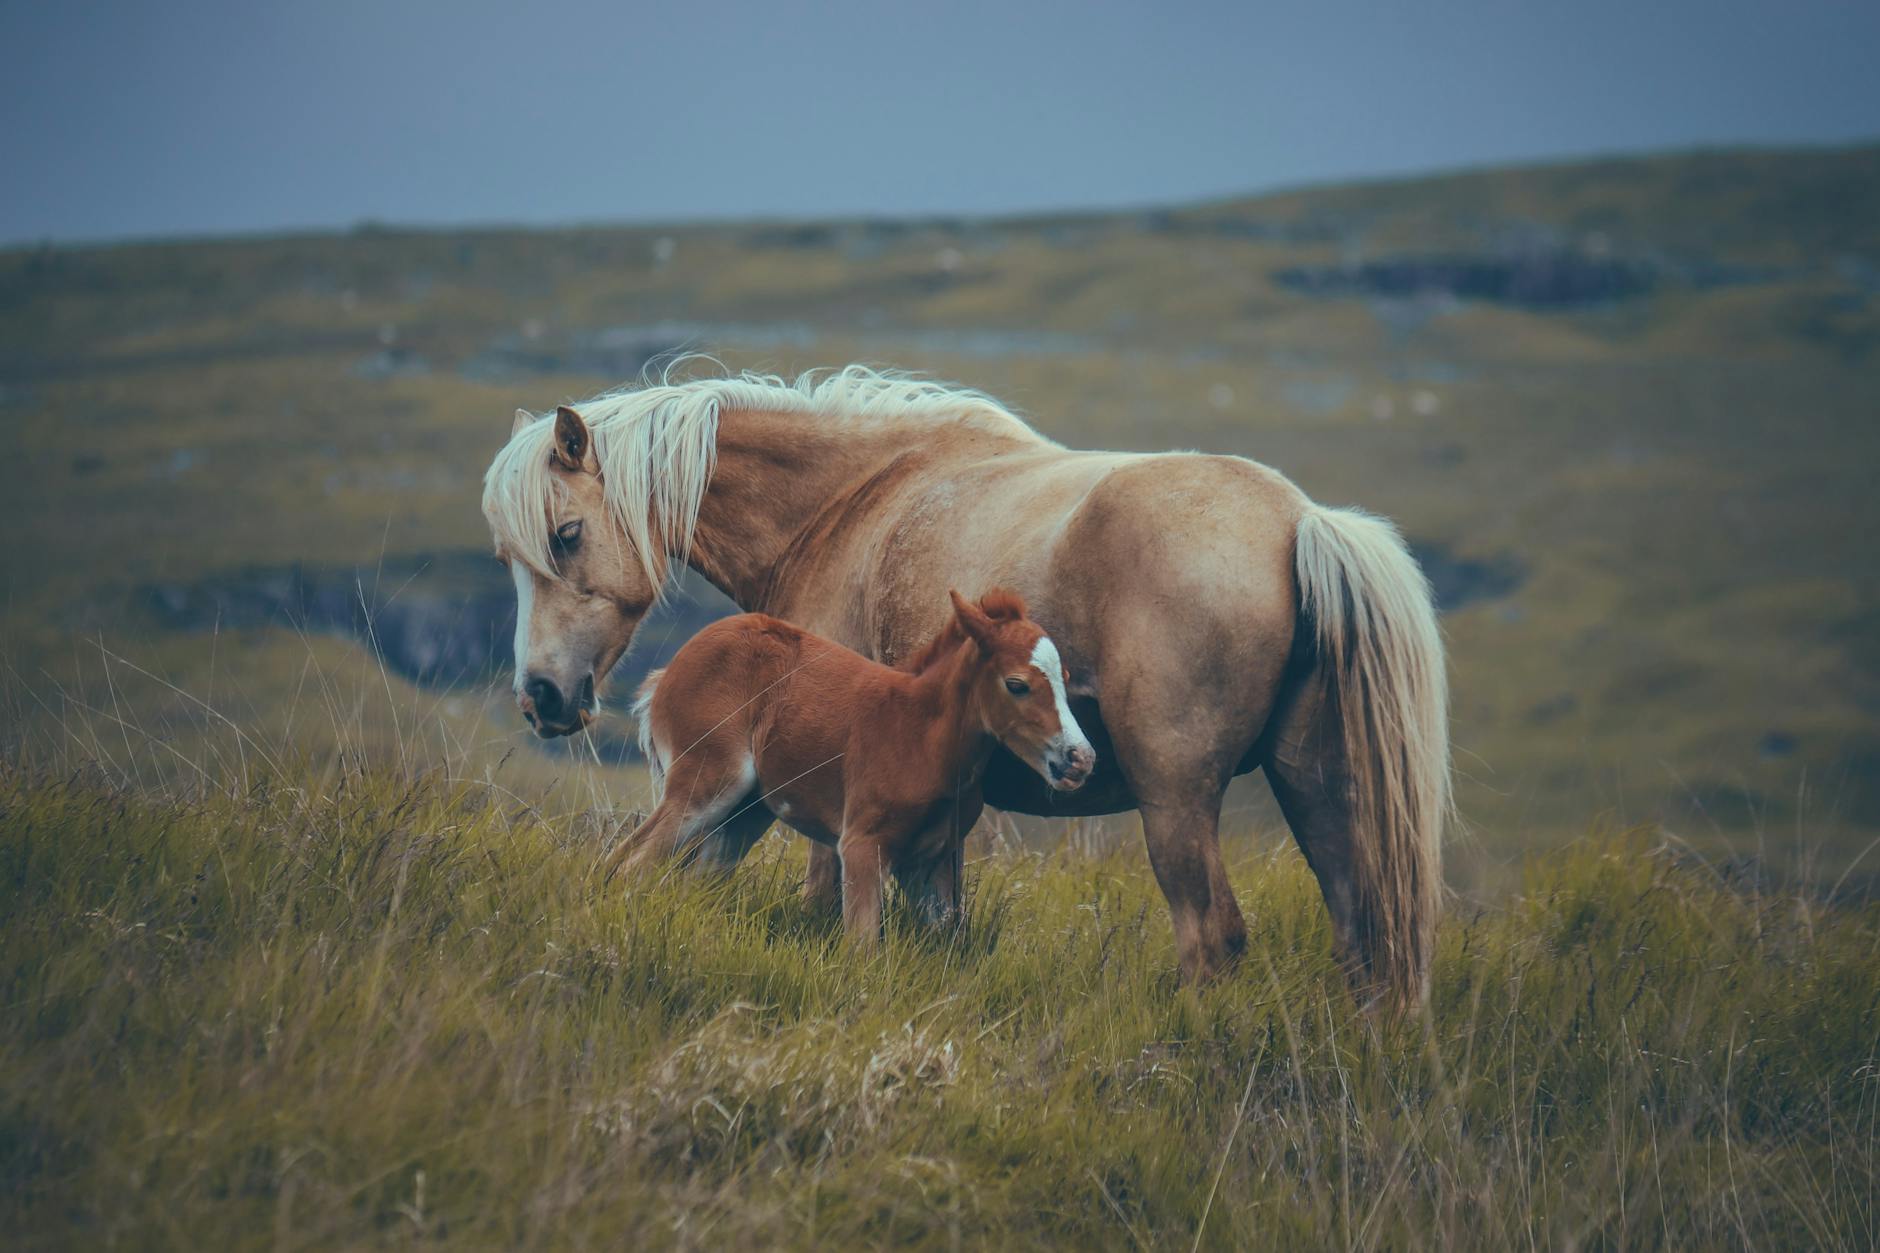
(135, 119)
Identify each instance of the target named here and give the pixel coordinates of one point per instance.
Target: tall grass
(393, 1008)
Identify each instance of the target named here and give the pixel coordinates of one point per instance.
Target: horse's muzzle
(549, 710)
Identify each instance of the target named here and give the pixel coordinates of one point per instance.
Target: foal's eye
(568, 536)
(1018, 687)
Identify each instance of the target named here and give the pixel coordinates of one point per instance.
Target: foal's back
(755, 685)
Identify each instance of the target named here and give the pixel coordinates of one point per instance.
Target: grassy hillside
(383, 1009)
(1683, 475)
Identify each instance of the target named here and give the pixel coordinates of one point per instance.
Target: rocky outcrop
(438, 619)
(1541, 280)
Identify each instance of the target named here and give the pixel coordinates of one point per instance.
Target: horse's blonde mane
(657, 444)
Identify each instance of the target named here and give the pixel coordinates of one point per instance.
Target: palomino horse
(1213, 619)
(757, 718)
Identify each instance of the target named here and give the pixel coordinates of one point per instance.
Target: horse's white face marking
(1044, 656)
(525, 606)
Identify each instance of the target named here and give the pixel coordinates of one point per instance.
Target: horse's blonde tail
(649, 750)
(1374, 623)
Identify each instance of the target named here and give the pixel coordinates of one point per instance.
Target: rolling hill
(1627, 409)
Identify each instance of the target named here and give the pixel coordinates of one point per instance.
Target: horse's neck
(777, 473)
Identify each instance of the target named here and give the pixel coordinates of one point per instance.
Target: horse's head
(1019, 689)
(581, 588)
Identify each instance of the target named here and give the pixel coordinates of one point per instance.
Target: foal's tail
(643, 711)
(1382, 658)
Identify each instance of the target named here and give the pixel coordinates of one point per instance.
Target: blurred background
(1588, 300)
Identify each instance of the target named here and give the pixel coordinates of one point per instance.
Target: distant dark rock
(439, 620)
(1298, 230)
(1461, 581)
(1550, 280)
(435, 619)
(1553, 709)
(1775, 745)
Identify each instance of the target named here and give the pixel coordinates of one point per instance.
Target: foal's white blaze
(1044, 655)
(525, 605)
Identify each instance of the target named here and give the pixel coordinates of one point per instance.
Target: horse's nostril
(545, 695)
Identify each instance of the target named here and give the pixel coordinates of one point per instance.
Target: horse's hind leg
(1305, 766)
(1183, 835)
(1178, 781)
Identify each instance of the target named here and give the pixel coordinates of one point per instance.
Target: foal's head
(581, 590)
(1018, 688)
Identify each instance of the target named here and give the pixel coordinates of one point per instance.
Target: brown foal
(755, 719)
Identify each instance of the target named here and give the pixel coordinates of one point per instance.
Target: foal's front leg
(864, 873)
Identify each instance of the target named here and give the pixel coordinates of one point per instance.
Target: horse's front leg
(822, 886)
(934, 886)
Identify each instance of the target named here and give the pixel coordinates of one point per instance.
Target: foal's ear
(973, 620)
(571, 440)
(523, 418)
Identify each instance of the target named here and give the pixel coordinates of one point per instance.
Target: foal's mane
(1000, 604)
(658, 442)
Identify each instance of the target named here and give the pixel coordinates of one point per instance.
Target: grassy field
(298, 953)
(357, 1009)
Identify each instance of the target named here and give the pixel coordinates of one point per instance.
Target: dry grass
(392, 1007)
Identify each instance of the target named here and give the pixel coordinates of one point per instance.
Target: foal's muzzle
(550, 711)
(1069, 767)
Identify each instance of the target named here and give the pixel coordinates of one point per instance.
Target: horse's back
(1112, 549)
(1190, 528)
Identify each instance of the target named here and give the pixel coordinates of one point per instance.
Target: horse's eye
(568, 536)
(1018, 687)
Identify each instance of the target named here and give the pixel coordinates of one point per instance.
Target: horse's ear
(571, 440)
(973, 620)
(523, 418)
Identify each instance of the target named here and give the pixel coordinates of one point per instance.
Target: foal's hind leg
(703, 794)
(653, 832)
(726, 845)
